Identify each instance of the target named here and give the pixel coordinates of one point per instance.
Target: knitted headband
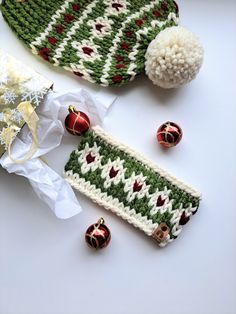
(121, 180)
(103, 41)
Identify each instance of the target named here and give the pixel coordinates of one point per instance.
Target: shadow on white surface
(45, 266)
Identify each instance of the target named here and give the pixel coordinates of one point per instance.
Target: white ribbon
(31, 119)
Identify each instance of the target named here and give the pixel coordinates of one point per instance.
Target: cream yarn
(174, 57)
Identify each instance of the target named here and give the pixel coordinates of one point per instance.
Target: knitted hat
(103, 41)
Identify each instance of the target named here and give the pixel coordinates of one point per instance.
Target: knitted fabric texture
(121, 180)
(103, 41)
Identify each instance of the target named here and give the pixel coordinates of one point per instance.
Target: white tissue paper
(47, 184)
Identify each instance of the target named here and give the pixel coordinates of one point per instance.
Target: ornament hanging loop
(72, 108)
(101, 221)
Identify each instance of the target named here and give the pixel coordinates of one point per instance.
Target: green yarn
(102, 41)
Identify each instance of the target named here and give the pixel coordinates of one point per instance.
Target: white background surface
(45, 266)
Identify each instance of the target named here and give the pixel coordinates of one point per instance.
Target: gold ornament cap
(72, 108)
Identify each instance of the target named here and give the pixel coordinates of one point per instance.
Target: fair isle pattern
(102, 41)
(49, 28)
(126, 183)
(59, 51)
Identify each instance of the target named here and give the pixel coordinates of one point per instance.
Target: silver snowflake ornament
(34, 90)
(16, 116)
(9, 97)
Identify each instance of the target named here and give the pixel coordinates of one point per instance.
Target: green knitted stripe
(153, 179)
(30, 18)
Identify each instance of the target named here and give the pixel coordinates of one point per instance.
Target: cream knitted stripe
(181, 185)
(76, 25)
(54, 18)
(126, 213)
(117, 38)
(110, 203)
(135, 51)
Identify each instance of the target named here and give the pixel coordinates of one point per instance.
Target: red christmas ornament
(77, 122)
(169, 134)
(98, 235)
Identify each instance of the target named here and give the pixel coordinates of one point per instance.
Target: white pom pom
(174, 57)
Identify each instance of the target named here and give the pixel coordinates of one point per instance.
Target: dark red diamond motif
(117, 78)
(44, 53)
(139, 22)
(120, 66)
(119, 58)
(52, 40)
(160, 201)
(117, 6)
(87, 50)
(129, 34)
(157, 13)
(99, 27)
(137, 187)
(76, 7)
(184, 219)
(124, 46)
(113, 173)
(68, 18)
(59, 29)
(90, 158)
